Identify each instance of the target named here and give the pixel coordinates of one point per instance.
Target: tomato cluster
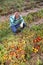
(36, 48)
(38, 39)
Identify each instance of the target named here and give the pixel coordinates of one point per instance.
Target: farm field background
(26, 47)
(10, 6)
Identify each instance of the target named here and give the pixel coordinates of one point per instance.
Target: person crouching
(16, 21)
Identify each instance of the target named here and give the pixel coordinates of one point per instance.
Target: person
(16, 21)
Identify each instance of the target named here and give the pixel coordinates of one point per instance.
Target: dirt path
(36, 23)
(29, 11)
(3, 18)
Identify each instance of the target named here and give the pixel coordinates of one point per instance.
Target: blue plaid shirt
(14, 21)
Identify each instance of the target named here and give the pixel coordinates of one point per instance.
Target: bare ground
(25, 13)
(36, 23)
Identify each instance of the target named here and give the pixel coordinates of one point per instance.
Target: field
(10, 6)
(25, 47)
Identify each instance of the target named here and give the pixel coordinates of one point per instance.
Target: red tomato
(11, 53)
(17, 48)
(17, 56)
(39, 37)
(14, 54)
(35, 41)
(38, 47)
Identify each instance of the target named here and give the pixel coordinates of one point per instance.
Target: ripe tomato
(12, 53)
(39, 37)
(17, 56)
(35, 41)
(12, 46)
(38, 47)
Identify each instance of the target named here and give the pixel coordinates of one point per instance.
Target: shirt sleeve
(22, 20)
(11, 20)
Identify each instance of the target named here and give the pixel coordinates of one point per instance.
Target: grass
(33, 17)
(4, 27)
(23, 41)
(9, 6)
(24, 38)
(18, 49)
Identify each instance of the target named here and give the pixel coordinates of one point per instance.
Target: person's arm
(21, 18)
(11, 20)
(22, 22)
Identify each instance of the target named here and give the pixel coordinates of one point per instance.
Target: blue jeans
(14, 28)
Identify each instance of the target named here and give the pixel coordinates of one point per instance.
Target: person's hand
(21, 25)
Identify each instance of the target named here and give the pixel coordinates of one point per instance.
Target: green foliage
(28, 50)
(10, 6)
(39, 62)
(28, 46)
(22, 63)
(25, 37)
(34, 16)
(30, 17)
